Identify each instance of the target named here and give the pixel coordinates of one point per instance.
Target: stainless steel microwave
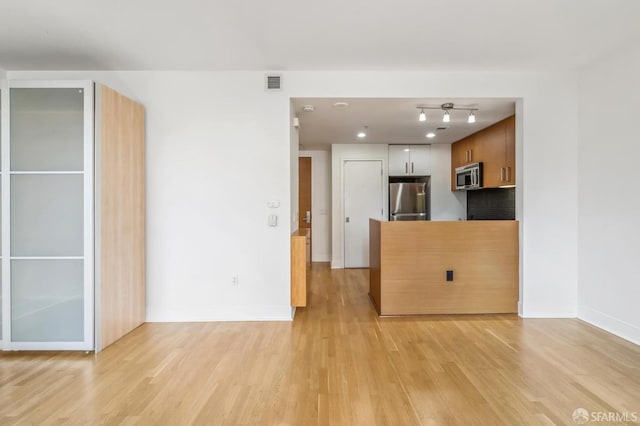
(469, 176)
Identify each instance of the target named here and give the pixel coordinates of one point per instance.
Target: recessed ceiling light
(341, 105)
(431, 135)
(308, 108)
(361, 135)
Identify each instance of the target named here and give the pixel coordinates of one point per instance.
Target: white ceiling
(392, 120)
(319, 35)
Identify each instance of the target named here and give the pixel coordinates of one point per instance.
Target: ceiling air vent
(273, 82)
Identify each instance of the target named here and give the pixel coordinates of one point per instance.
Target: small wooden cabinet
(495, 148)
(409, 160)
(300, 264)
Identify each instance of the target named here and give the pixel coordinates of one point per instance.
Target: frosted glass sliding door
(50, 214)
(1, 245)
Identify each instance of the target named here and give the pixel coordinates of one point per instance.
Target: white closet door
(362, 200)
(50, 214)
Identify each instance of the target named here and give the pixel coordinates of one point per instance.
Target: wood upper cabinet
(499, 154)
(494, 147)
(463, 152)
(493, 168)
(409, 160)
(467, 151)
(510, 150)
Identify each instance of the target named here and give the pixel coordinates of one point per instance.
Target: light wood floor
(337, 363)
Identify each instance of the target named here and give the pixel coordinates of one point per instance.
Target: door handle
(501, 174)
(308, 218)
(347, 219)
(412, 167)
(406, 167)
(470, 155)
(508, 174)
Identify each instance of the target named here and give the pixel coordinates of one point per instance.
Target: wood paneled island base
(409, 263)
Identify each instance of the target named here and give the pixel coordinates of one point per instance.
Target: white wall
(445, 204)
(215, 137)
(549, 199)
(339, 154)
(294, 144)
(609, 207)
(320, 204)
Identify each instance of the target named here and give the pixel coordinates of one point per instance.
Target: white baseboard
(321, 257)
(224, 313)
(534, 313)
(613, 325)
(548, 315)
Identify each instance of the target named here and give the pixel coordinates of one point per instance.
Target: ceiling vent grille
(273, 82)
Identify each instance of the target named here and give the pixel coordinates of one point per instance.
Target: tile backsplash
(491, 204)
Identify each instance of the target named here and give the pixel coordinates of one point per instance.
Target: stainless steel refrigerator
(410, 201)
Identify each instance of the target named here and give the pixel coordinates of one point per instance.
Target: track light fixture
(446, 107)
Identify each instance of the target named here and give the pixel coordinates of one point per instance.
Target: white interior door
(362, 200)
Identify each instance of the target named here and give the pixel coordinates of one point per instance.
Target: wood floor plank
(338, 363)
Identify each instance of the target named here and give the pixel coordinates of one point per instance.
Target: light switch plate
(273, 220)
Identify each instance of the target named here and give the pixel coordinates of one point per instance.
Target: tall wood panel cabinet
(73, 231)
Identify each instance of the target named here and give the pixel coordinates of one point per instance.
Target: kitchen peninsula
(462, 267)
